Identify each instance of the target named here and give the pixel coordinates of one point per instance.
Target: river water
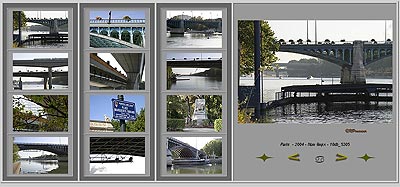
(43, 167)
(194, 41)
(201, 169)
(25, 35)
(336, 113)
(197, 83)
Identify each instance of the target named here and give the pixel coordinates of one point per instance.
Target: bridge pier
(355, 74)
(50, 75)
(358, 68)
(177, 31)
(345, 77)
(54, 28)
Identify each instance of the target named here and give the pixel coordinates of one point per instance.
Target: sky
(46, 14)
(197, 142)
(187, 71)
(29, 106)
(334, 30)
(108, 57)
(206, 14)
(101, 104)
(137, 14)
(31, 56)
(49, 140)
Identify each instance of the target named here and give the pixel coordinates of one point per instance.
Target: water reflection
(41, 166)
(194, 41)
(200, 169)
(197, 83)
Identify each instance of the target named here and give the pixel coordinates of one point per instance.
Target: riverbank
(17, 168)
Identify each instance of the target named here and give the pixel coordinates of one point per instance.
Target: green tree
(52, 114)
(140, 124)
(16, 19)
(15, 153)
(137, 38)
(213, 106)
(218, 125)
(213, 147)
(127, 18)
(177, 107)
(269, 46)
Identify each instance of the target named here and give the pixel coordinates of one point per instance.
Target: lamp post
(122, 121)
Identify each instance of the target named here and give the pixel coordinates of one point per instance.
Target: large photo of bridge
(40, 113)
(40, 155)
(117, 71)
(40, 29)
(194, 71)
(194, 155)
(117, 155)
(194, 113)
(117, 29)
(194, 29)
(40, 71)
(315, 71)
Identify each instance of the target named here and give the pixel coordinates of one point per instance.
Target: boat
(310, 77)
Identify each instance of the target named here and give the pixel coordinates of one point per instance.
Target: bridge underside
(118, 146)
(351, 57)
(60, 150)
(183, 150)
(101, 41)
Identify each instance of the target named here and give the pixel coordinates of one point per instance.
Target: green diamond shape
(366, 157)
(264, 157)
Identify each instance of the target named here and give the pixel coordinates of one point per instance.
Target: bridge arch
(104, 32)
(114, 34)
(125, 36)
(52, 148)
(137, 38)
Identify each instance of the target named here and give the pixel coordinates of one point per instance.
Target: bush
(175, 124)
(218, 125)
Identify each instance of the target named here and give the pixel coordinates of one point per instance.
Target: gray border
(71, 87)
(149, 90)
(353, 11)
(226, 48)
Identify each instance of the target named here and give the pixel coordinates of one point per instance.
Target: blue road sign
(124, 110)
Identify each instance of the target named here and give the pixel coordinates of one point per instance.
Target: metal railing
(111, 21)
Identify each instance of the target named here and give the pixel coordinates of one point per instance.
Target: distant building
(101, 126)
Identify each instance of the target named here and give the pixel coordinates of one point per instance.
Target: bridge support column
(133, 80)
(345, 77)
(50, 75)
(358, 69)
(45, 83)
(54, 29)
